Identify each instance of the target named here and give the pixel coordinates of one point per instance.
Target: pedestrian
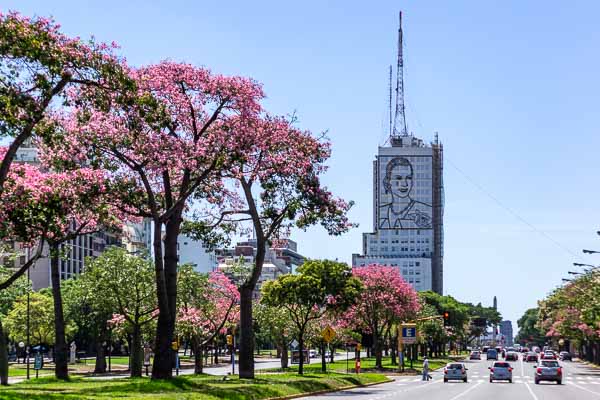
(426, 376)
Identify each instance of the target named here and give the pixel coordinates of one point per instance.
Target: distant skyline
(511, 87)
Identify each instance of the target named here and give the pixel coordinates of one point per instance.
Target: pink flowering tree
(318, 287)
(387, 299)
(38, 65)
(54, 208)
(125, 283)
(209, 305)
(278, 187)
(165, 148)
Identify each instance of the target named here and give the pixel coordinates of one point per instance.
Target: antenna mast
(399, 128)
(391, 131)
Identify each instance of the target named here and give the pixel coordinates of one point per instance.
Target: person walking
(426, 369)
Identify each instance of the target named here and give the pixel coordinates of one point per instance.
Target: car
(312, 353)
(501, 371)
(512, 356)
(455, 371)
(548, 355)
(475, 355)
(536, 349)
(525, 350)
(565, 355)
(531, 356)
(485, 349)
(491, 354)
(548, 370)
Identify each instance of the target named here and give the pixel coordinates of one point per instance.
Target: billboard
(405, 192)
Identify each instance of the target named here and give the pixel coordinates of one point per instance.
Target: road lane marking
(531, 391)
(587, 390)
(466, 391)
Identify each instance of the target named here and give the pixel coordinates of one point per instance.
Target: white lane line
(582, 388)
(466, 391)
(531, 391)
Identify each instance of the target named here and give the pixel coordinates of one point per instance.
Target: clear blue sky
(511, 87)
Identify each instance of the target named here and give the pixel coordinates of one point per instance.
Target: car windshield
(455, 366)
(491, 351)
(550, 364)
(501, 365)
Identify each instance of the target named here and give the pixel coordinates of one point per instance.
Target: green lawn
(366, 364)
(185, 387)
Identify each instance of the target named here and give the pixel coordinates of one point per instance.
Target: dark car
(485, 349)
(491, 354)
(530, 357)
(565, 356)
(525, 350)
(548, 370)
(512, 356)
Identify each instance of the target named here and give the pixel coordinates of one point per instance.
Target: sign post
(38, 363)
(175, 347)
(357, 360)
(407, 335)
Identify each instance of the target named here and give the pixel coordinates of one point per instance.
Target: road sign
(38, 362)
(328, 334)
(409, 333)
(294, 343)
(229, 340)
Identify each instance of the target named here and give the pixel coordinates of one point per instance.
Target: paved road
(580, 383)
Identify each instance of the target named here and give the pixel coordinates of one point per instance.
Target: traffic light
(446, 316)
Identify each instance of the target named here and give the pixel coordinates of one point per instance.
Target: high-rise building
(408, 213)
(408, 201)
(506, 332)
(196, 253)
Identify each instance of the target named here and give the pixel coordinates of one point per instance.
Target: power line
(510, 211)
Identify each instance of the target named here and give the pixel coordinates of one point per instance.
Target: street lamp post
(28, 318)
(590, 251)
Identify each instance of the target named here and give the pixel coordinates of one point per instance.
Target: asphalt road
(580, 383)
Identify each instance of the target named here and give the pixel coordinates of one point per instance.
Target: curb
(296, 396)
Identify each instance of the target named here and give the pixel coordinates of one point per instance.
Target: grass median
(202, 387)
(367, 365)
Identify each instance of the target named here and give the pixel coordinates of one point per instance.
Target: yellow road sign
(328, 334)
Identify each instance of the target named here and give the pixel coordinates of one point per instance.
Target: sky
(511, 87)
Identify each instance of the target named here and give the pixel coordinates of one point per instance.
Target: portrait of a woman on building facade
(402, 211)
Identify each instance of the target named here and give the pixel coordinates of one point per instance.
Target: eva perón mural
(405, 193)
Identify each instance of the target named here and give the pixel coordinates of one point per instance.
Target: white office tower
(408, 199)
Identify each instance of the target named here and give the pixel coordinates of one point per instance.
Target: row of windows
(394, 248)
(402, 241)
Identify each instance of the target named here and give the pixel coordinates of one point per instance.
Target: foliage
(38, 65)
(319, 286)
(41, 319)
(529, 331)
(208, 304)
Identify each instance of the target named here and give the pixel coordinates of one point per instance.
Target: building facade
(408, 199)
(506, 332)
(194, 252)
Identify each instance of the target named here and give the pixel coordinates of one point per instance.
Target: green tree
(319, 286)
(7, 299)
(276, 322)
(41, 323)
(123, 282)
(529, 331)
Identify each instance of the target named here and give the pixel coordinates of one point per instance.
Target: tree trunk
(246, 362)
(100, 366)
(3, 357)
(137, 355)
(198, 350)
(284, 356)
(393, 352)
(60, 347)
(377, 349)
(331, 353)
(301, 347)
(166, 287)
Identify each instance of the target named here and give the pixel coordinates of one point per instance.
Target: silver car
(548, 370)
(455, 371)
(501, 371)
